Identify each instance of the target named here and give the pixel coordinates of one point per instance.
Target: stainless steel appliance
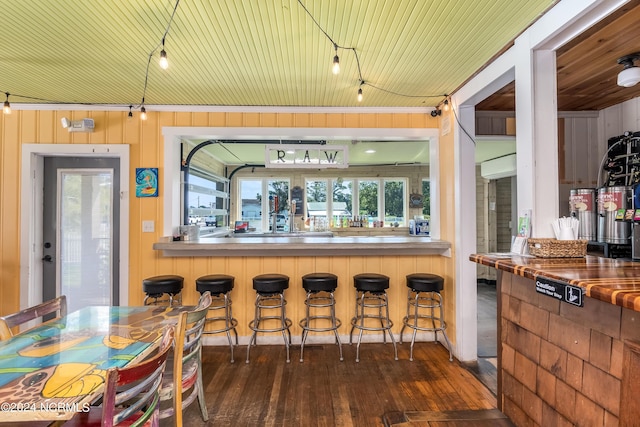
(582, 205)
(610, 199)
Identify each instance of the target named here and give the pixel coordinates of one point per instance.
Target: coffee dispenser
(610, 200)
(582, 205)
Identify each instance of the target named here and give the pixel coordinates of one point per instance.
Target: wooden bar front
(562, 364)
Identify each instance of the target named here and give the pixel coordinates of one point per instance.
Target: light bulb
(6, 109)
(446, 105)
(130, 115)
(143, 113)
(336, 65)
(164, 63)
(360, 95)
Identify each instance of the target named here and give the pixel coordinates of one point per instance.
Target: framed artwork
(146, 182)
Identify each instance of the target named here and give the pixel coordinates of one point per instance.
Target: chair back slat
(187, 365)
(7, 323)
(136, 388)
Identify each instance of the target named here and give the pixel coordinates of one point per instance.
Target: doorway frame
(31, 211)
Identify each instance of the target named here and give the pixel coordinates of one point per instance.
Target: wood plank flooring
(322, 391)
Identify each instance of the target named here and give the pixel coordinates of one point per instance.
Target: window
(208, 201)
(394, 203)
(256, 203)
(366, 198)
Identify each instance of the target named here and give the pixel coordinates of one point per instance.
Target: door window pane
(85, 236)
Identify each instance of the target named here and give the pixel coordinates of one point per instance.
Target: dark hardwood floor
(322, 391)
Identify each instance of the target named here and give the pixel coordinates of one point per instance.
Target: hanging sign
(306, 156)
(561, 291)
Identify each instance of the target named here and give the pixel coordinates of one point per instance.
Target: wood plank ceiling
(251, 53)
(587, 66)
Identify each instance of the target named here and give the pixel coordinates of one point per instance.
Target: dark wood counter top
(305, 245)
(610, 280)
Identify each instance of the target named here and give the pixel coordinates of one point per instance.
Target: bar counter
(395, 254)
(304, 244)
(560, 362)
(605, 279)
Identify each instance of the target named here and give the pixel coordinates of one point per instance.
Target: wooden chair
(186, 375)
(131, 394)
(56, 305)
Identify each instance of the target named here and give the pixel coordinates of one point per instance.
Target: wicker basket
(552, 248)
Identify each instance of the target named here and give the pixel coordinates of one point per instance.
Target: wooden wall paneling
(631, 115)
(9, 214)
(146, 142)
(214, 119)
(268, 119)
(368, 120)
(234, 120)
(319, 120)
(46, 131)
(299, 120)
(338, 120)
(629, 402)
(251, 119)
(565, 153)
(28, 132)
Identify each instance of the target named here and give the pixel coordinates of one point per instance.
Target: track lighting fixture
(7, 107)
(437, 112)
(336, 61)
(630, 75)
(130, 115)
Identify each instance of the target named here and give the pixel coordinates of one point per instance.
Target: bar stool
(424, 292)
(219, 285)
(157, 286)
(320, 288)
(270, 296)
(371, 294)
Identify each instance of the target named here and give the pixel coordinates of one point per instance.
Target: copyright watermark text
(43, 407)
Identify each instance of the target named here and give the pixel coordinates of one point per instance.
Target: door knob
(47, 258)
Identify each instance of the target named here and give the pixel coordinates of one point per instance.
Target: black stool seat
(157, 285)
(425, 282)
(216, 284)
(270, 283)
(320, 282)
(371, 282)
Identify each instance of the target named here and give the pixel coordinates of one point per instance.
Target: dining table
(57, 369)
